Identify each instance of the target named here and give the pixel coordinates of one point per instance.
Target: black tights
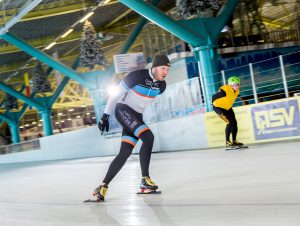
(229, 117)
(232, 129)
(125, 151)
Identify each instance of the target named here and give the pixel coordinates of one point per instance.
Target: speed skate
(148, 191)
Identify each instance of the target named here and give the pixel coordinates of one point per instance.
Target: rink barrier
(262, 122)
(170, 135)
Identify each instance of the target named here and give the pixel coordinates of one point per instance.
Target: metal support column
(206, 57)
(14, 129)
(253, 83)
(47, 124)
(223, 77)
(286, 90)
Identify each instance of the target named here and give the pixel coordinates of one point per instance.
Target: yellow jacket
(226, 101)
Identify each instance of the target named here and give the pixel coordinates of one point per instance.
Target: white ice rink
(255, 186)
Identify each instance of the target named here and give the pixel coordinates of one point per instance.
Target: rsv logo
(276, 120)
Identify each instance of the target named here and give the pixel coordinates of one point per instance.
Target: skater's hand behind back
(103, 124)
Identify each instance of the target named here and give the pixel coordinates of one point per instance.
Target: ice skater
(222, 105)
(136, 92)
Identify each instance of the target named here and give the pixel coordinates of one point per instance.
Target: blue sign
(276, 120)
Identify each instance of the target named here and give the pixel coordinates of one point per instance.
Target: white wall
(178, 72)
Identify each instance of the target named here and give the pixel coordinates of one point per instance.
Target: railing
(164, 42)
(180, 99)
(281, 36)
(227, 40)
(266, 80)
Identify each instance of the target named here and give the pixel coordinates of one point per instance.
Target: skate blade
(229, 149)
(236, 148)
(93, 200)
(148, 192)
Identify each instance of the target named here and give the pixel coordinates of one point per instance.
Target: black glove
(103, 123)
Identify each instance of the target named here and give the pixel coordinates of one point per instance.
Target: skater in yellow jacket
(222, 105)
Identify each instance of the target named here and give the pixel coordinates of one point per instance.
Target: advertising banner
(215, 127)
(125, 63)
(276, 120)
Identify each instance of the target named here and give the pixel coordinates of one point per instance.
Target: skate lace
(229, 143)
(149, 181)
(236, 142)
(103, 191)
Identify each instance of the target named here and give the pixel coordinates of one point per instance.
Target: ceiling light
(86, 17)
(67, 32)
(50, 45)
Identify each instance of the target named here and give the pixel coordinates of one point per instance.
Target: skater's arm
(125, 85)
(123, 88)
(113, 100)
(221, 93)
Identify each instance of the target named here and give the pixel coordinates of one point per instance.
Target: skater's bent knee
(147, 136)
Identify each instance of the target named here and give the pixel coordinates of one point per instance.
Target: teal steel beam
(14, 130)
(136, 31)
(20, 96)
(21, 90)
(186, 33)
(47, 124)
(193, 31)
(45, 112)
(207, 61)
(58, 90)
(22, 111)
(13, 126)
(13, 123)
(132, 37)
(29, 5)
(6, 118)
(46, 59)
(218, 23)
(62, 85)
